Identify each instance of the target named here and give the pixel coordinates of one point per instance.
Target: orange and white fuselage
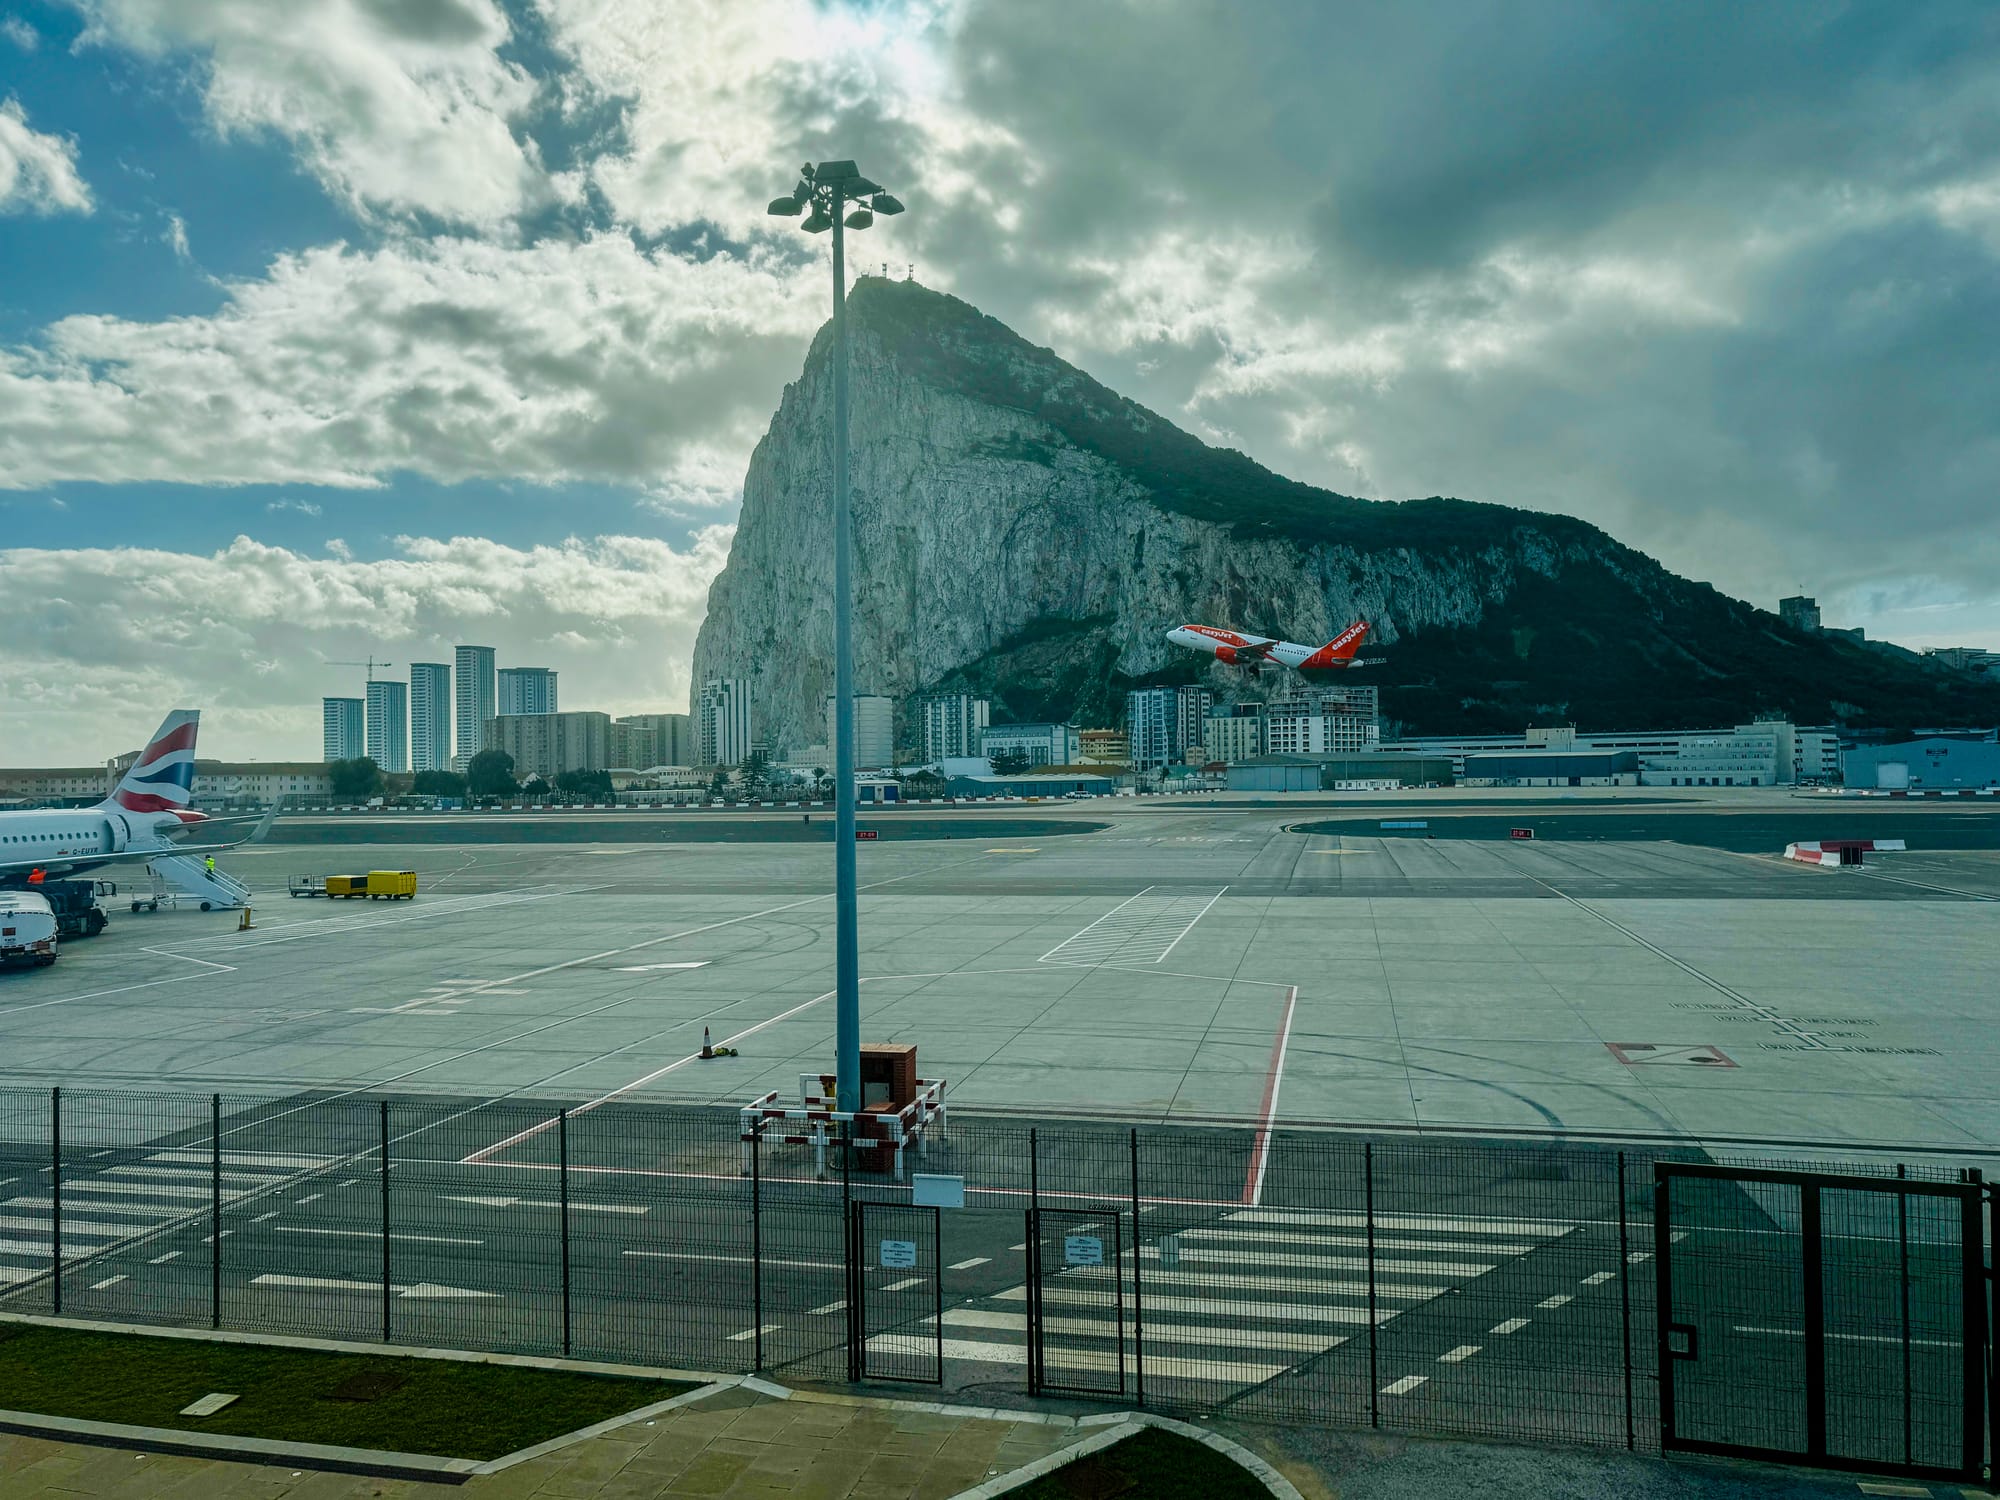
(1235, 649)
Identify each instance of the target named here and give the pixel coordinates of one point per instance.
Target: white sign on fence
(1083, 1250)
(936, 1190)
(899, 1255)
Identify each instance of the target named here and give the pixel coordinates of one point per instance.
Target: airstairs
(192, 881)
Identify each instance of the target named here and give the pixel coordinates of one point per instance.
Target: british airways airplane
(1234, 649)
(132, 823)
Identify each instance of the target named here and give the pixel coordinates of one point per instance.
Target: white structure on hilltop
(343, 729)
(1161, 723)
(874, 730)
(389, 725)
(724, 722)
(527, 690)
(952, 724)
(473, 699)
(430, 716)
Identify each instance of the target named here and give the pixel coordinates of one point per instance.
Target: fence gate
(895, 1294)
(1820, 1319)
(1076, 1301)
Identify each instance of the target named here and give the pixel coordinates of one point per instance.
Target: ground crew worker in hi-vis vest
(208, 864)
(36, 876)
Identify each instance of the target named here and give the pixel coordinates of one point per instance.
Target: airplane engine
(1227, 656)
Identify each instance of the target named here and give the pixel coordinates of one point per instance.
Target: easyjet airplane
(1234, 649)
(132, 823)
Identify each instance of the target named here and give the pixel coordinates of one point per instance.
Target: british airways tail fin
(162, 778)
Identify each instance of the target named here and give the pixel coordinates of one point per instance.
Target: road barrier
(1632, 1293)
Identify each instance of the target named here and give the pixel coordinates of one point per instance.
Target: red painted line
(1260, 1152)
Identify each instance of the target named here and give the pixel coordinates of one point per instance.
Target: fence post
(853, 1241)
(215, 1211)
(562, 1150)
(1368, 1202)
(1625, 1300)
(385, 1220)
(757, 1242)
(1903, 1258)
(1138, 1304)
(1034, 1240)
(55, 1195)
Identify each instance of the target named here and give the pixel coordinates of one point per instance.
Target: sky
(413, 322)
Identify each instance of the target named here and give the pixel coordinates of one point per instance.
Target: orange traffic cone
(706, 1050)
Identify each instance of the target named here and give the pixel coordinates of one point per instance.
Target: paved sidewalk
(736, 1445)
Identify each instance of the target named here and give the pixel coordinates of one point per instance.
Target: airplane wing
(1258, 646)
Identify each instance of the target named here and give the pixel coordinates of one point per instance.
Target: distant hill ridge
(1025, 531)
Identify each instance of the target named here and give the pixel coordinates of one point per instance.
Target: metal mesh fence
(1482, 1287)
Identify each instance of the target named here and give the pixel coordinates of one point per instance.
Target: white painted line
(1166, 1333)
(1638, 1255)
(1459, 1355)
(95, 1185)
(1277, 1286)
(905, 1284)
(80, 1229)
(1310, 1265)
(1597, 1278)
(980, 1352)
(98, 1286)
(1210, 1307)
(1435, 1223)
(242, 1159)
(1512, 1325)
(309, 1198)
(375, 1234)
(265, 1218)
(1556, 1301)
(160, 1260)
(831, 1307)
(575, 1208)
(1677, 1236)
(1252, 1242)
(1190, 928)
(967, 1265)
(1849, 1338)
(154, 1212)
(735, 1260)
(421, 1290)
(1404, 1386)
(700, 963)
(186, 1174)
(751, 1333)
(1260, 1152)
(1879, 1487)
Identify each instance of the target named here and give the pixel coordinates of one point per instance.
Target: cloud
(303, 507)
(37, 172)
(102, 641)
(449, 358)
(400, 107)
(177, 238)
(20, 33)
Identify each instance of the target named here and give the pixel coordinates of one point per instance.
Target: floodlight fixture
(860, 219)
(785, 208)
(886, 204)
(818, 221)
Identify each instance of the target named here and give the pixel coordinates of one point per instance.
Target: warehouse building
(1332, 773)
(1930, 764)
(1553, 768)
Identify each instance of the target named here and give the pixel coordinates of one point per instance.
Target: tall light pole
(827, 190)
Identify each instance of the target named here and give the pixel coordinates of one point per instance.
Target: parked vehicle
(74, 903)
(345, 887)
(392, 885)
(305, 885)
(27, 929)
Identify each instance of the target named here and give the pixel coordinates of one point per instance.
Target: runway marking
(1851, 1338)
(831, 1307)
(98, 1286)
(1210, 1307)
(575, 1208)
(967, 1265)
(1528, 1228)
(1459, 1355)
(1313, 1264)
(1404, 1386)
(1169, 1333)
(421, 1290)
(309, 1198)
(699, 963)
(751, 1333)
(1130, 930)
(977, 1352)
(1556, 1301)
(904, 1285)
(1512, 1325)
(736, 1260)
(374, 1234)
(1260, 1152)
(160, 1260)
(1598, 1278)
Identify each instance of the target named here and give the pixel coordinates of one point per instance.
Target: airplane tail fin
(1343, 646)
(162, 778)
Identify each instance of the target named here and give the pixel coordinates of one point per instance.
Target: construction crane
(371, 664)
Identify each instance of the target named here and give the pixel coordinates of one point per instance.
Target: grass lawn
(434, 1406)
(1151, 1465)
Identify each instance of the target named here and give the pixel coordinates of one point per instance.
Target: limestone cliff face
(1023, 530)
